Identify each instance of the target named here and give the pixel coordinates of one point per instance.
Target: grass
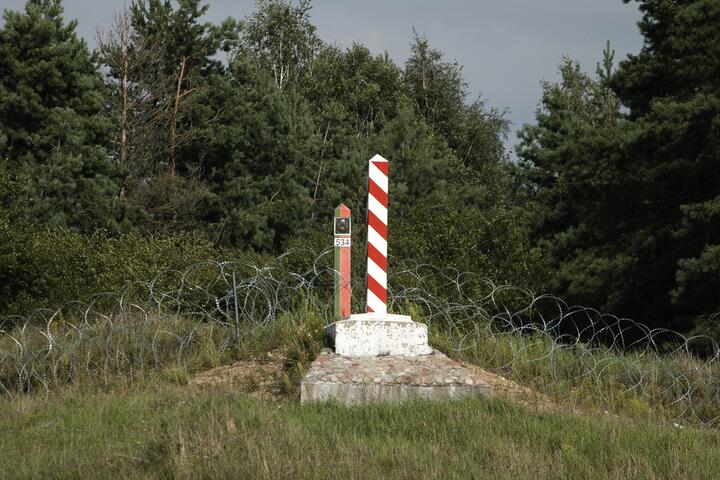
(110, 399)
(169, 431)
(645, 386)
(130, 348)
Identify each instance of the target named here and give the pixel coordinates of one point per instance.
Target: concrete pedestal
(356, 380)
(373, 335)
(385, 358)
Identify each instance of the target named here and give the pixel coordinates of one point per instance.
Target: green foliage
(181, 34)
(280, 36)
(255, 153)
(353, 89)
(8, 192)
(159, 59)
(671, 88)
(439, 94)
(254, 158)
(53, 135)
(697, 277)
(489, 244)
(134, 415)
(303, 335)
(47, 268)
(437, 88)
(624, 200)
(110, 353)
(128, 349)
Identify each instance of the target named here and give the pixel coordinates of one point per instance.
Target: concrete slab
(357, 380)
(370, 334)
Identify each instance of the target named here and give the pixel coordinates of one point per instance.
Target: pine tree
(188, 47)
(672, 88)
(624, 172)
(54, 137)
(253, 156)
(159, 57)
(577, 186)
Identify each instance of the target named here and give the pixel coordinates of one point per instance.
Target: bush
(47, 268)
(434, 250)
(492, 244)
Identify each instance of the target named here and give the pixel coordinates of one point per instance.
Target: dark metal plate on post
(342, 226)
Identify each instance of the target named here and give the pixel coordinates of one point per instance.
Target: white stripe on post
(377, 241)
(377, 273)
(377, 176)
(378, 209)
(374, 304)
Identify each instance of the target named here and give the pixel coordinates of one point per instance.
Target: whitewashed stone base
(355, 380)
(373, 335)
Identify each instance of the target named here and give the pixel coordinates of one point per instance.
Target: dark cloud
(506, 46)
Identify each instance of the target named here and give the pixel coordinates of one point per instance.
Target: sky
(507, 47)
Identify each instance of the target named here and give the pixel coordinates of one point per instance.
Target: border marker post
(342, 231)
(377, 221)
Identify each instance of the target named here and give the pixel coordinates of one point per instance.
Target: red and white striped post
(342, 232)
(377, 220)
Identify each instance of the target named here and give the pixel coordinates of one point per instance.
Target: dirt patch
(257, 376)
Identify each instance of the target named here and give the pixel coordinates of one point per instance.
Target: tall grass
(131, 348)
(173, 432)
(135, 348)
(213, 313)
(669, 388)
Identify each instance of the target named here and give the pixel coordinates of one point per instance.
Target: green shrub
(480, 249)
(47, 268)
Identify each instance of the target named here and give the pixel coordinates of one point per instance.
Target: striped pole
(377, 220)
(342, 231)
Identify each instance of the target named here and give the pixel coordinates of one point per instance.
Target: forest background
(178, 140)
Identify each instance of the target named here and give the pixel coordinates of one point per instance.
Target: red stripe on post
(376, 224)
(377, 289)
(377, 192)
(382, 166)
(377, 257)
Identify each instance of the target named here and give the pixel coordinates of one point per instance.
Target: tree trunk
(173, 119)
